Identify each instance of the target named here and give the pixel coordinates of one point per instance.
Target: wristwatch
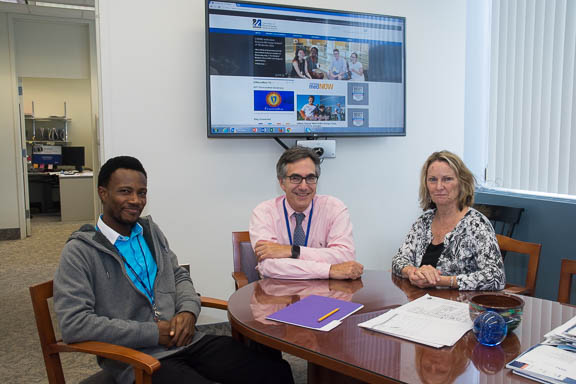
(295, 251)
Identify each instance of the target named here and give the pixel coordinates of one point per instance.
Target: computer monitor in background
(73, 156)
(46, 155)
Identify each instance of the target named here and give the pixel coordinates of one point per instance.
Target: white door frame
(19, 132)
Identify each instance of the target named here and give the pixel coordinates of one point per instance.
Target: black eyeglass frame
(297, 179)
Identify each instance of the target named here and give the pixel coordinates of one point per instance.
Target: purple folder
(306, 312)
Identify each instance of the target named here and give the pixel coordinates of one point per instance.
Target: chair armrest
(240, 279)
(136, 359)
(518, 290)
(214, 303)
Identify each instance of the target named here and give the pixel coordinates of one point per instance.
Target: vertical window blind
(532, 96)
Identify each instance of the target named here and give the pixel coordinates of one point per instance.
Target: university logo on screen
(270, 101)
(273, 99)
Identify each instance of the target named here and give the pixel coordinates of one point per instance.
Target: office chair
(144, 365)
(503, 219)
(533, 251)
(245, 260)
(567, 269)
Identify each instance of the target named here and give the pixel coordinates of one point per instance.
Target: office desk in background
(76, 193)
(77, 196)
(356, 353)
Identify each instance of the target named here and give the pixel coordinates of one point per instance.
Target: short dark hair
(109, 167)
(294, 154)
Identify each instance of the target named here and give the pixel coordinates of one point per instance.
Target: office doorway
(55, 67)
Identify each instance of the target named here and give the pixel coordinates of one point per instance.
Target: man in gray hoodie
(119, 282)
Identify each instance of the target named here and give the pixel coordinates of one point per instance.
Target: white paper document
(546, 363)
(428, 320)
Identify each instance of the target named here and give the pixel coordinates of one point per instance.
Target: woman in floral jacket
(451, 244)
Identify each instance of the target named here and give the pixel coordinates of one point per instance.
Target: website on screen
(282, 70)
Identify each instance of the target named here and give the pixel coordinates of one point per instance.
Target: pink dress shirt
(330, 241)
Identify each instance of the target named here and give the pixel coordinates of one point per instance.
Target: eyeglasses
(297, 179)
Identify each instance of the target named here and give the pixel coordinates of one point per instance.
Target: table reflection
(492, 360)
(412, 292)
(436, 366)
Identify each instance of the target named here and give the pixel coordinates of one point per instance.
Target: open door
(24, 152)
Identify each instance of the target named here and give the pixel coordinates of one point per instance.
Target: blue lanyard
(148, 288)
(288, 222)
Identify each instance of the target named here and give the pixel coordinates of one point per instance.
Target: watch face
(295, 251)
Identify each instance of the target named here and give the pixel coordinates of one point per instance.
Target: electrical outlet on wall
(324, 148)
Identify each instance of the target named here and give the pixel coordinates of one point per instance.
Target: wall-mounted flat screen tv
(285, 71)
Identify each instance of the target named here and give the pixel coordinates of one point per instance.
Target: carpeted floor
(25, 263)
(30, 261)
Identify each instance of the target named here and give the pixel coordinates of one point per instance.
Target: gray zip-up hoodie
(95, 299)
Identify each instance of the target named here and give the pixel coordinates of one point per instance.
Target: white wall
(8, 190)
(52, 49)
(200, 190)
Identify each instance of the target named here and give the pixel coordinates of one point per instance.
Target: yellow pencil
(328, 314)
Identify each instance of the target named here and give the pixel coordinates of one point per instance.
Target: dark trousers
(223, 360)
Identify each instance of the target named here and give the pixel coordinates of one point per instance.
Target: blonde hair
(466, 180)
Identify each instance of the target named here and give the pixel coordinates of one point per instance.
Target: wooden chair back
(567, 269)
(40, 294)
(245, 260)
(533, 251)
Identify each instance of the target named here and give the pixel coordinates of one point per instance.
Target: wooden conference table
(354, 354)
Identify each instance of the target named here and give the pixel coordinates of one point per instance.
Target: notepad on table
(316, 312)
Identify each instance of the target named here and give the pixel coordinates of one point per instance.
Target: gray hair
(294, 154)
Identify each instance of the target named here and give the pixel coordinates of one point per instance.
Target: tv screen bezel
(297, 135)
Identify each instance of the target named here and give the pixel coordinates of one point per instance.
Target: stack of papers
(553, 360)
(563, 335)
(428, 320)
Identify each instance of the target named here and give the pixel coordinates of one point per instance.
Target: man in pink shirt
(303, 235)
